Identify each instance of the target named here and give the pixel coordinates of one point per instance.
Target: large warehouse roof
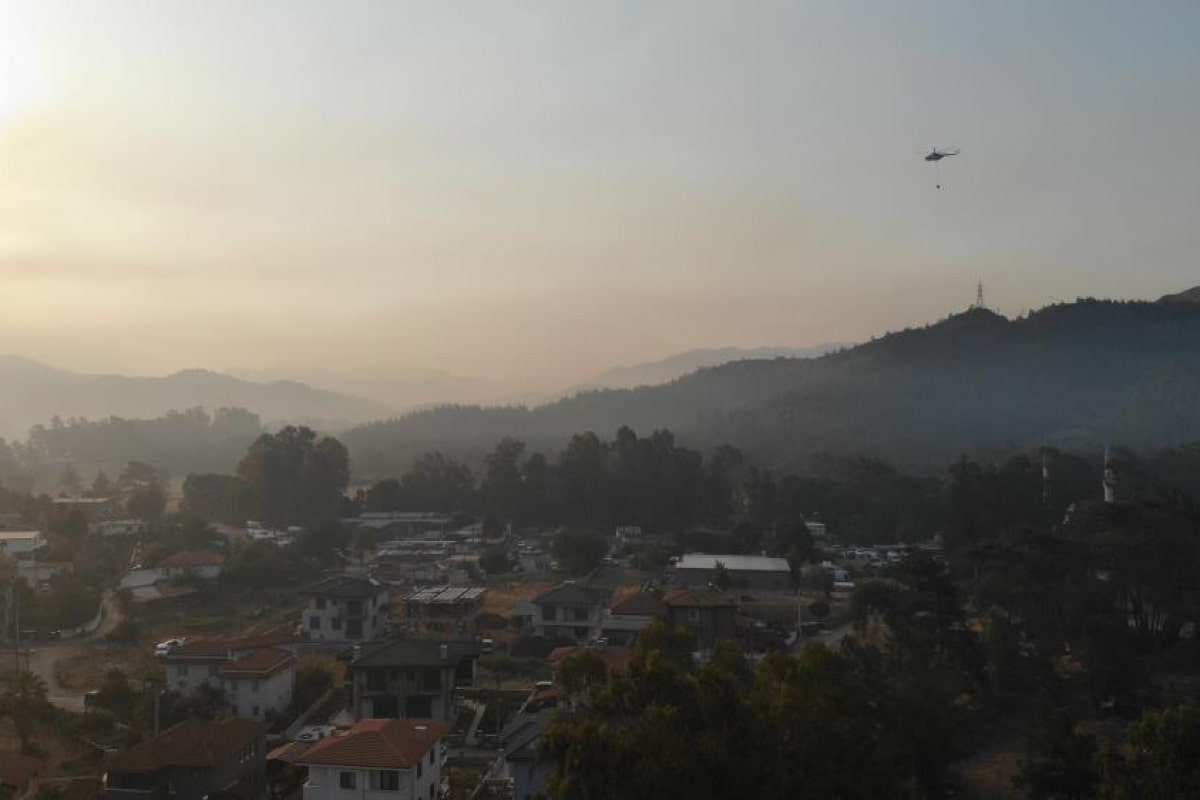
(733, 563)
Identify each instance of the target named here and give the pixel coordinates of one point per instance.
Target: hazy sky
(531, 192)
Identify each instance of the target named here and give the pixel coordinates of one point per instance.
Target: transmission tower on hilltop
(979, 296)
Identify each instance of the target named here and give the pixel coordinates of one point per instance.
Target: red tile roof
(690, 598)
(220, 649)
(377, 744)
(641, 604)
(193, 558)
(193, 743)
(258, 663)
(289, 752)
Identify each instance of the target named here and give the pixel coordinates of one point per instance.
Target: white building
(344, 608)
(256, 679)
(377, 759)
(569, 611)
(259, 682)
(21, 544)
(745, 572)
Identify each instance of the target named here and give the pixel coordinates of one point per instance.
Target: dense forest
(1073, 376)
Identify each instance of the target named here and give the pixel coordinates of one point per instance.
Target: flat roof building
(746, 572)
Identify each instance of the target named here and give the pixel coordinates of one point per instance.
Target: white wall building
(345, 608)
(377, 759)
(256, 680)
(21, 544)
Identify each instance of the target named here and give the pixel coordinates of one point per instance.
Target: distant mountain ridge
(675, 366)
(1073, 375)
(33, 393)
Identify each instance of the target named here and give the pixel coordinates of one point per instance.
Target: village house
(407, 678)
(630, 615)
(710, 614)
(190, 761)
(21, 545)
(444, 608)
(257, 680)
(345, 608)
(377, 759)
(516, 764)
(569, 611)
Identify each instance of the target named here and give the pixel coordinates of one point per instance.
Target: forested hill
(1072, 375)
(33, 393)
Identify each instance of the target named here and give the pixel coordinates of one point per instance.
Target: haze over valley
(470, 400)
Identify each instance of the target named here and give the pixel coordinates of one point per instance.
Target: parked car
(163, 649)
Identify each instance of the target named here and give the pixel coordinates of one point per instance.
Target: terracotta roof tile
(694, 598)
(377, 744)
(258, 663)
(641, 604)
(193, 743)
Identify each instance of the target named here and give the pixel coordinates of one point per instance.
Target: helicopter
(935, 157)
(938, 155)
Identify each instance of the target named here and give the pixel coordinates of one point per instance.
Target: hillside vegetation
(1072, 375)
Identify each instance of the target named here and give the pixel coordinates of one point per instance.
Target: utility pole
(16, 606)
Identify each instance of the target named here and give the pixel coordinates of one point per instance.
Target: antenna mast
(979, 296)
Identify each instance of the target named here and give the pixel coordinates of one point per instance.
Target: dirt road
(43, 658)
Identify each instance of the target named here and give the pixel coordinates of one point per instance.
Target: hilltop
(1072, 374)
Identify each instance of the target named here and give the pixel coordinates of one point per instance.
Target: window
(314, 623)
(320, 603)
(431, 752)
(354, 629)
(254, 686)
(431, 679)
(354, 608)
(550, 612)
(376, 680)
(213, 670)
(386, 780)
(418, 769)
(336, 623)
(580, 613)
(256, 712)
(346, 780)
(183, 670)
(581, 633)
(693, 615)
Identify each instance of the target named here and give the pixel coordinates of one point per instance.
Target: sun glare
(22, 77)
